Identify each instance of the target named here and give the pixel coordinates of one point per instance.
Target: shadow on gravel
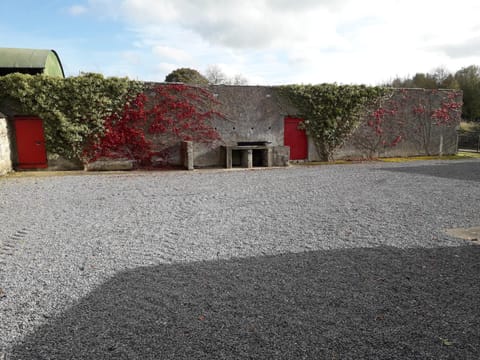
(459, 171)
(361, 303)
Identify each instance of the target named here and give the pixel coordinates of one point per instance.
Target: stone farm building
(257, 129)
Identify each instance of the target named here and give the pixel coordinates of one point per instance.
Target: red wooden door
(295, 138)
(30, 141)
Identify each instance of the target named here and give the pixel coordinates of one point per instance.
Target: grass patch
(468, 155)
(315, 163)
(420, 158)
(459, 156)
(469, 126)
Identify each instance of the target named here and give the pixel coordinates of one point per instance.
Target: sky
(269, 42)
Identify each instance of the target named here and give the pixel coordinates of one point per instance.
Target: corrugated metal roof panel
(48, 60)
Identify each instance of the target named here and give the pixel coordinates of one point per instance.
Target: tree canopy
(466, 79)
(186, 76)
(469, 81)
(214, 75)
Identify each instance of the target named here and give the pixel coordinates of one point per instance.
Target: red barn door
(30, 140)
(295, 138)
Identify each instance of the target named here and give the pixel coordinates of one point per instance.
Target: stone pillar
(188, 155)
(228, 155)
(269, 161)
(281, 156)
(5, 154)
(247, 158)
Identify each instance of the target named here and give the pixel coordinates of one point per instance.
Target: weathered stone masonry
(257, 113)
(251, 114)
(5, 155)
(421, 136)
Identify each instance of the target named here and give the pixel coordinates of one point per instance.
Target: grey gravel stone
(87, 251)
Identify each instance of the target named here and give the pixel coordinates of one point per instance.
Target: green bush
(331, 112)
(73, 109)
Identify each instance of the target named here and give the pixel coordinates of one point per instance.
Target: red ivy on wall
(448, 111)
(383, 128)
(406, 117)
(169, 113)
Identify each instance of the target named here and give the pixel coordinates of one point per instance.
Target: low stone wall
(207, 155)
(5, 154)
(111, 165)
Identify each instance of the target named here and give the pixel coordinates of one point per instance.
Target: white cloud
(236, 24)
(171, 53)
(166, 68)
(132, 57)
(309, 40)
(77, 10)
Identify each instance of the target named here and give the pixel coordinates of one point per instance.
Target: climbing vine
(418, 116)
(331, 112)
(88, 117)
(167, 112)
(73, 109)
(430, 117)
(381, 128)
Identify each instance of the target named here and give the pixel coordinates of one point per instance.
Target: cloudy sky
(267, 41)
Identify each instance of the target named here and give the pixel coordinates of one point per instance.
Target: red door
(30, 142)
(295, 138)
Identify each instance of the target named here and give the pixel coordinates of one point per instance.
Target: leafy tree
(439, 78)
(186, 76)
(424, 81)
(469, 82)
(444, 79)
(466, 79)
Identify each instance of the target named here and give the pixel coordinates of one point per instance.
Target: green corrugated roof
(47, 60)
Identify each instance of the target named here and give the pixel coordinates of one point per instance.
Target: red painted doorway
(30, 141)
(295, 138)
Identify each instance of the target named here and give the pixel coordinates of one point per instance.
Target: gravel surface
(306, 262)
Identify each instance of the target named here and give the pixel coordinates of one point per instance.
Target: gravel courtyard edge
(69, 241)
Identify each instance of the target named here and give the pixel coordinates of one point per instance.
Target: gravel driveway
(334, 262)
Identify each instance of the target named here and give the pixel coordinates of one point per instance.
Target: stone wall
(256, 113)
(251, 113)
(411, 116)
(5, 155)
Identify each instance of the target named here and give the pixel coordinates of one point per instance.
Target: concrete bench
(250, 156)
